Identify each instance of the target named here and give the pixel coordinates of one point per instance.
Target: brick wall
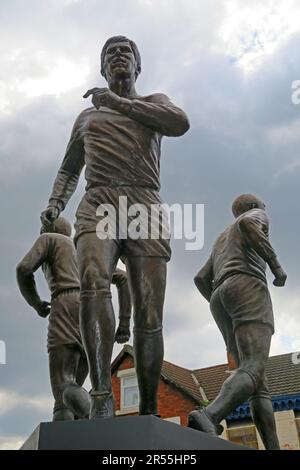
(171, 402)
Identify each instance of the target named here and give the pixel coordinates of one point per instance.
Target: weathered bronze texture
(118, 139)
(54, 251)
(234, 282)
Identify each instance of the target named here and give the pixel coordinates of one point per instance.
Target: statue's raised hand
(103, 97)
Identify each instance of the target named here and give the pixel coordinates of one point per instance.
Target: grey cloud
(229, 150)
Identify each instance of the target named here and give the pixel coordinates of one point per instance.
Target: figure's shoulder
(87, 111)
(225, 232)
(221, 239)
(159, 98)
(84, 115)
(43, 238)
(255, 214)
(58, 239)
(261, 216)
(259, 212)
(43, 242)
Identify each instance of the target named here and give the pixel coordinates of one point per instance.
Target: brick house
(182, 390)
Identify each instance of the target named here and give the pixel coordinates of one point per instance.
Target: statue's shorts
(241, 299)
(63, 326)
(134, 217)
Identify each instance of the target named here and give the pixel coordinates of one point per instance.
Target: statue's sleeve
(204, 279)
(120, 280)
(159, 113)
(36, 256)
(255, 228)
(68, 175)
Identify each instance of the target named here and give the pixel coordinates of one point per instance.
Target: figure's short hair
(134, 49)
(244, 203)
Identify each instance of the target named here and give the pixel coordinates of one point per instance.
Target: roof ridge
(179, 367)
(225, 364)
(281, 355)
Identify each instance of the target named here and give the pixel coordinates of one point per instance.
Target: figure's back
(232, 254)
(60, 266)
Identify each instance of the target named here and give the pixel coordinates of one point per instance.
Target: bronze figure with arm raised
(119, 141)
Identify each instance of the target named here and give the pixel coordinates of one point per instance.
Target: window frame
(125, 374)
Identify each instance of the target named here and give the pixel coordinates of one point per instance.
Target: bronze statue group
(118, 141)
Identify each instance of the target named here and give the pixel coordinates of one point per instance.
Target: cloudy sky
(230, 64)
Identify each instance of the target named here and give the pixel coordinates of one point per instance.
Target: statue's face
(119, 61)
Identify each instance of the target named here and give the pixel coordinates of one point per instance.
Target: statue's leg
(97, 260)
(263, 416)
(147, 279)
(198, 419)
(253, 342)
(70, 398)
(224, 323)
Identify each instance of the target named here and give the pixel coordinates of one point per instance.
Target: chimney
(232, 365)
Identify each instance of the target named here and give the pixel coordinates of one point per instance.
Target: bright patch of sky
(59, 77)
(258, 29)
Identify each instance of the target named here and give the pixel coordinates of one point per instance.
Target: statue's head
(120, 58)
(246, 202)
(60, 225)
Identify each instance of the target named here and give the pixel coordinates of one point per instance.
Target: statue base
(123, 433)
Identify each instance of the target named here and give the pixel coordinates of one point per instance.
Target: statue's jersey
(121, 152)
(243, 252)
(118, 149)
(57, 256)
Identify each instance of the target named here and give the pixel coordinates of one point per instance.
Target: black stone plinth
(132, 433)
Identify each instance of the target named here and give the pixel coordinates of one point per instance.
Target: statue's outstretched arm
(204, 279)
(159, 113)
(255, 228)
(68, 175)
(36, 256)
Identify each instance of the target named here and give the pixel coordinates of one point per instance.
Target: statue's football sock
(97, 326)
(235, 391)
(148, 352)
(264, 419)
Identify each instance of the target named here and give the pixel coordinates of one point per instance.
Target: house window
(129, 392)
(129, 402)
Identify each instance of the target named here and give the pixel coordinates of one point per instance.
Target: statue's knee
(147, 316)
(152, 323)
(89, 278)
(255, 371)
(148, 329)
